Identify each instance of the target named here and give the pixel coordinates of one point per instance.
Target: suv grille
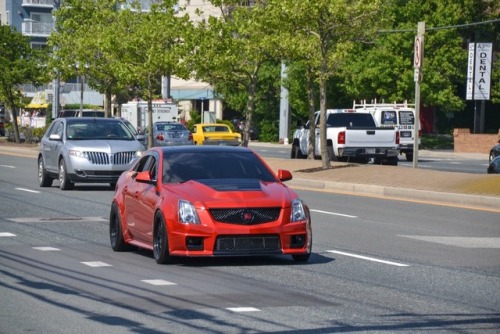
(248, 244)
(246, 216)
(101, 158)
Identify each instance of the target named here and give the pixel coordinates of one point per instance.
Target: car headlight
(187, 213)
(76, 153)
(298, 212)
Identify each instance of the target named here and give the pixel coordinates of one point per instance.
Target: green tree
(230, 51)
(81, 44)
(19, 64)
(147, 46)
(384, 70)
(323, 32)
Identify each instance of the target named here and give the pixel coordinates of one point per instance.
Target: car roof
(96, 119)
(202, 148)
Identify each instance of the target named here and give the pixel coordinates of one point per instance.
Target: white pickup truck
(351, 136)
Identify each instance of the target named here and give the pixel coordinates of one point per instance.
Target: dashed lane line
(369, 258)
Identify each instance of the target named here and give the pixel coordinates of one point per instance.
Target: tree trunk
(312, 126)
(325, 157)
(250, 109)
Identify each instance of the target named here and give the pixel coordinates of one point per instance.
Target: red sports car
(208, 201)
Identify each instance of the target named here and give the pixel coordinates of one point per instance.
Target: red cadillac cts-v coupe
(199, 201)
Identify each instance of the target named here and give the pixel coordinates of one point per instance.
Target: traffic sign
(417, 60)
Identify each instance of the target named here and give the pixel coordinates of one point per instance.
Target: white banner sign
(482, 71)
(470, 72)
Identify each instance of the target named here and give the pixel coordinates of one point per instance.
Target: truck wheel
(392, 161)
(409, 156)
(331, 154)
(297, 153)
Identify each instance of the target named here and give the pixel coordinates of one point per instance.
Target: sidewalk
(480, 191)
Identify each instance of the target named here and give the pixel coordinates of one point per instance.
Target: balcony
(38, 3)
(36, 29)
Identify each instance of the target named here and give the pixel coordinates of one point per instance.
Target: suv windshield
(90, 130)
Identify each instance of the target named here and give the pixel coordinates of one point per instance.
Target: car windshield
(180, 167)
(350, 120)
(170, 127)
(92, 130)
(215, 128)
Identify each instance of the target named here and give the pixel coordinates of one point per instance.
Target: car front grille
(101, 158)
(246, 216)
(247, 244)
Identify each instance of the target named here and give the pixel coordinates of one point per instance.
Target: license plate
(369, 151)
(406, 134)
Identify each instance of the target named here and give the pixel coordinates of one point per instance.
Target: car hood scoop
(232, 184)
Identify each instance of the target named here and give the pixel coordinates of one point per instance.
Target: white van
(401, 115)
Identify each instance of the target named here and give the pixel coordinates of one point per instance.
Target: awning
(37, 106)
(39, 101)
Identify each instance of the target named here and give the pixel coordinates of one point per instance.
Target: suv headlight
(298, 212)
(78, 154)
(187, 213)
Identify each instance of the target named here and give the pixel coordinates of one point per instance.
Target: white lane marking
(459, 241)
(243, 309)
(7, 166)
(454, 163)
(28, 190)
(56, 219)
(96, 264)
(334, 213)
(158, 282)
(369, 258)
(7, 234)
(46, 249)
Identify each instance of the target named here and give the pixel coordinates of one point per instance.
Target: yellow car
(215, 134)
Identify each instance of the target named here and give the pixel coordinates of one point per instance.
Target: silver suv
(87, 150)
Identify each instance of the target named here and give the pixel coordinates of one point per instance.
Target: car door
(140, 201)
(50, 147)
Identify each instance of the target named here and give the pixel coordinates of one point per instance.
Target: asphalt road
(378, 266)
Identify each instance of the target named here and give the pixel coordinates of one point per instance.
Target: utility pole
(417, 64)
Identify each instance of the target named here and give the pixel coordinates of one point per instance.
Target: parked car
(199, 201)
(494, 166)
(87, 150)
(171, 134)
(215, 134)
(495, 152)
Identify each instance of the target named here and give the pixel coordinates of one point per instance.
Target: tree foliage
(19, 64)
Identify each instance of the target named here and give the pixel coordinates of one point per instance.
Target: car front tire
(64, 182)
(115, 230)
(44, 180)
(160, 241)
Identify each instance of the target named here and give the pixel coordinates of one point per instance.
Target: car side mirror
(144, 177)
(55, 137)
(284, 175)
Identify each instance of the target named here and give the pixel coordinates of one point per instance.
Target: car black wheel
(44, 180)
(64, 182)
(115, 231)
(409, 156)
(160, 241)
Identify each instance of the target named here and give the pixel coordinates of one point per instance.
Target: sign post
(417, 64)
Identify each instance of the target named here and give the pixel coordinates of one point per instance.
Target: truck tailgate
(370, 137)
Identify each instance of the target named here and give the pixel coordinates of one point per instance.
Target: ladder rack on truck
(399, 115)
